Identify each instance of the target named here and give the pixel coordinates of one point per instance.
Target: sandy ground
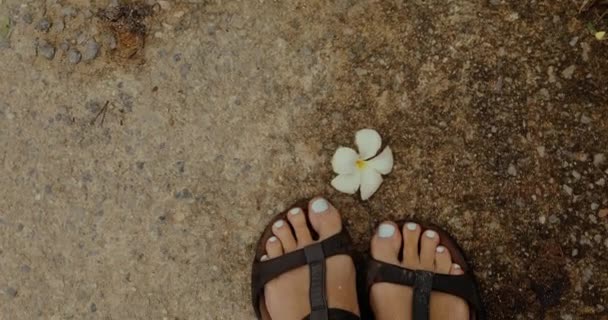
(135, 180)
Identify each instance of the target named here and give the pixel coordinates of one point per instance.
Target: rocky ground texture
(144, 146)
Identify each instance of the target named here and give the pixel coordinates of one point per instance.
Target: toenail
(430, 233)
(272, 239)
(264, 258)
(279, 224)
(320, 205)
(457, 266)
(294, 211)
(440, 249)
(386, 230)
(411, 226)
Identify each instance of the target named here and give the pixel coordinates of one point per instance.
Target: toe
(428, 246)
(443, 260)
(281, 229)
(324, 218)
(273, 247)
(386, 243)
(456, 269)
(411, 237)
(297, 219)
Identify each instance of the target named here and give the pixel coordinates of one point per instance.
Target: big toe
(324, 218)
(386, 243)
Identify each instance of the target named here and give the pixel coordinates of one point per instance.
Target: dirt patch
(127, 23)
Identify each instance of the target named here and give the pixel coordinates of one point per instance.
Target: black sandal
(314, 256)
(423, 282)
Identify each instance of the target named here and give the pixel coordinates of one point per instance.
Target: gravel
(567, 189)
(43, 25)
(46, 50)
(74, 56)
(91, 50)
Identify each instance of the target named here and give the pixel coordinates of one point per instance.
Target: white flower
(362, 170)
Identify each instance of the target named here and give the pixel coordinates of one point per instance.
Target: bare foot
(394, 302)
(287, 296)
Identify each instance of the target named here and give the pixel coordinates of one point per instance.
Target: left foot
(287, 296)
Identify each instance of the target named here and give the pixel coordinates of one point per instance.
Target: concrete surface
(221, 113)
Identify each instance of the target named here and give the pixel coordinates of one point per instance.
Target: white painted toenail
(411, 226)
(386, 230)
(264, 258)
(440, 249)
(272, 239)
(279, 224)
(457, 266)
(320, 205)
(295, 211)
(430, 233)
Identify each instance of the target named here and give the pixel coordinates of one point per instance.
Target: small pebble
(68, 11)
(597, 238)
(165, 5)
(64, 46)
(512, 171)
(568, 72)
(542, 219)
(11, 292)
(567, 189)
(574, 252)
(601, 182)
(183, 194)
(603, 213)
(594, 206)
(93, 307)
(576, 175)
(43, 25)
(592, 218)
(58, 26)
(541, 151)
(585, 119)
(46, 50)
(598, 159)
(27, 18)
(74, 56)
(91, 50)
(110, 41)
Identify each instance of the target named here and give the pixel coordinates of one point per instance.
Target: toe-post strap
(423, 285)
(315, 257)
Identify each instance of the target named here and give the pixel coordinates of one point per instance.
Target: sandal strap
(339, 314)
(463, 286)
(314, 256)
(423, 285)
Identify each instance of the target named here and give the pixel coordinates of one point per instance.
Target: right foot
(394, 302)
(287, 296)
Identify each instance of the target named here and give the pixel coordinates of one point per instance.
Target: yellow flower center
(361, 164)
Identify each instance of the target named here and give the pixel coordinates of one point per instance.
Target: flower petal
(344, 160)
(370, 182)
(369, 142)
(383, 162)
(347, 183)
